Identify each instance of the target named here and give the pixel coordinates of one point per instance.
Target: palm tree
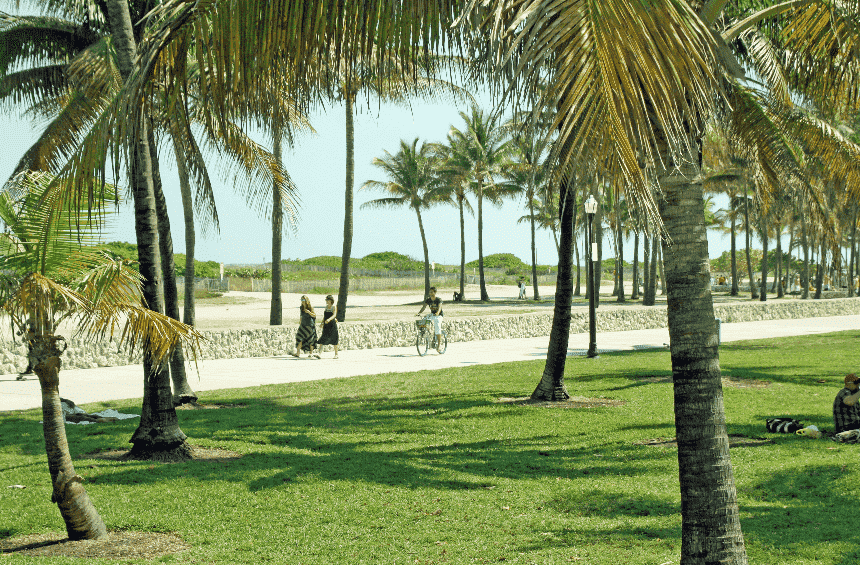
(481, 149)
(394, 80)
(105, 300)
(526, 173)
(456, 179)
(412, 182)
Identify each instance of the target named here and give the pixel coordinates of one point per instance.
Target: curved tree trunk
(190, 242)
(182, 392)
(276, 310)
(426, 254)
(551, 385)
(81, 517)
(462, 248)
(343, 289)
(159, 427)
(484, 296)
(534, 249)
(711, 531)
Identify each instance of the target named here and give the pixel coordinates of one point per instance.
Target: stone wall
(360, 335)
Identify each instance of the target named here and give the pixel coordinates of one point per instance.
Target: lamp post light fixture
(590, 209)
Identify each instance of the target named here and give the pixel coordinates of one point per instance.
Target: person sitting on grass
(846, 411)
(306, 336)
(436, 314)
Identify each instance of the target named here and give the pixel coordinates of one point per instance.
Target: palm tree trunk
(634, 295)
(276, 309)
(551, 385)
(764, 241)
(822, 262)
(597, 231)
(81, 517)
(753, 288)
(182, 391)
(576, 291)
(711, 531)
(780, 291)
(426, 254)
(661, 267)
(343, 290)
(652, 279)
(484, 296)
(646, 267)
(734, 253)
(159, 427)
(619, 265)
(534, 248)
(462, 248)
(190, 242)
(804, 279)
(852, 257)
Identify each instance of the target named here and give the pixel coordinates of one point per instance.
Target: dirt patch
(727, 382)
(116, 545)
(572, 402)
(735, 440)
(200, 406)
(196, 453)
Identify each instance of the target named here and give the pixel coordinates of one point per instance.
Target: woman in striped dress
(306, 337)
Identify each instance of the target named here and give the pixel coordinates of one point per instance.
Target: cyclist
(436, 314)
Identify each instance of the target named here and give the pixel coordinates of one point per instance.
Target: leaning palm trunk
(188, 212)
(159, 427)
(276, 309)
(81, 517)
(462, 247)
(711, 531)
(551, 385)
(182, 392)
(426, 253)
(484, 295)
(343, 288)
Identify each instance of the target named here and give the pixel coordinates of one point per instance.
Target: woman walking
(329, 325)
(306, 337)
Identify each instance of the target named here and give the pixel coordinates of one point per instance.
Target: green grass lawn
(437, 467)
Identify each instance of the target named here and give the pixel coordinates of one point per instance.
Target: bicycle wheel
(444, 345)
(422, 342)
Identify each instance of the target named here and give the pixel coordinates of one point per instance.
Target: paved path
(114, 383)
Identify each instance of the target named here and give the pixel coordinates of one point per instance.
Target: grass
(433, 467)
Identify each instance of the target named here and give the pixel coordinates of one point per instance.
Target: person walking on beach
(522, 286)
(436, 314)
(306, 336)
(329, 325)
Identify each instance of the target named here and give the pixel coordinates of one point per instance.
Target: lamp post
(590, 209)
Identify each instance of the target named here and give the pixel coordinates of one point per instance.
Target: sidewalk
(114, 383)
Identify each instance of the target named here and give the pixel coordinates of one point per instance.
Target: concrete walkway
(114, 383)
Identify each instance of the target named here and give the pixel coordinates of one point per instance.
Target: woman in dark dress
(306, 337)
(329, 325)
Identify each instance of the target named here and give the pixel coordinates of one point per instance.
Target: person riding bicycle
(436, 314)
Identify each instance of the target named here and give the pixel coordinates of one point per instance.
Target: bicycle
(426, 339)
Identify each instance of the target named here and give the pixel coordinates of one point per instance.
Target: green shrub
(512, 264)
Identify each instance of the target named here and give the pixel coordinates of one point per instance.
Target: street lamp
(590, 209)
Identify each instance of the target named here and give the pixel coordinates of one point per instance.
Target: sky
(317, 167)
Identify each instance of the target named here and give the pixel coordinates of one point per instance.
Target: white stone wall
(281, 340)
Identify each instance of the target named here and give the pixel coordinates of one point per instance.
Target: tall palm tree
(412, 182)
(103, 298)
(481, 149)
(456, 178)
(393, 80)
(527, 173)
